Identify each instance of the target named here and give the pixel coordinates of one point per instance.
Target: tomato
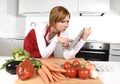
(76, 63)
(71, 72)
(67, 65)
(77, 68)
(25, 70)
(84, 73)
(90, 66)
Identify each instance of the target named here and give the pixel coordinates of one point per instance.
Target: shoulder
(41, 27)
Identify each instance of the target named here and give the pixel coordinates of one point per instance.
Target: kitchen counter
(17, 37)
(108, 77)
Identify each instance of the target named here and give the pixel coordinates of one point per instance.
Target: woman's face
(62, 26)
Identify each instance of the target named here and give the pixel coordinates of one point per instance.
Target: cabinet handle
(115, 55)
(116, 49)
(95, 52)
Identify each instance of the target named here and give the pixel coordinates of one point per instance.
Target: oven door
(93, 55)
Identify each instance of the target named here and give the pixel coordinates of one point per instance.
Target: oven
(94, 51)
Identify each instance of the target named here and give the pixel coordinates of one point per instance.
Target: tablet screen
(75, 41)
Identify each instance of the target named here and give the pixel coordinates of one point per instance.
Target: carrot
(52, 67)
(46, 70)
(61, 70)
(44, 62)
(53, 64)
(43, 76)
(61, 75)
(54, 77)
(57, 76)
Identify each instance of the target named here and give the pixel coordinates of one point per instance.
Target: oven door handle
(94, 52)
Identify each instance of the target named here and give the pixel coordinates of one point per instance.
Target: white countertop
(111, 77)
(15, 37)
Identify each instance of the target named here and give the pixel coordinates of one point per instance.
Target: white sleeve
(44, 50)
(68, 54)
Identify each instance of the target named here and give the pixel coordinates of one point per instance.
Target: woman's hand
(64, 41)
(86, 33)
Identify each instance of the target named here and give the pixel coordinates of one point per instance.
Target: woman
(41, 41)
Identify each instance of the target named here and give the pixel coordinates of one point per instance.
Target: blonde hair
(57, 14)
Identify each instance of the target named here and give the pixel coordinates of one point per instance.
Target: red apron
(30, 44)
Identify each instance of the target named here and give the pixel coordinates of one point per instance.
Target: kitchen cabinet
(94, 5)
(3, 6)
(71, 5)
(5, 46)
(9, 20)
(114, 52)
(18, 43)
(27, 7)
(8, 44)
(43, 7)
(115, 5)
(8, 7)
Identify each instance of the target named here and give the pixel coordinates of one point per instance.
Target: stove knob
(100, 47)
(92, 46)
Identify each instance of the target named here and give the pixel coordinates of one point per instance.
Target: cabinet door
(18, 43)
(8, 7)
(115, 5)
(71, 5)
(94, 5)
(29, 6)
(3, 6)
(5, 47)
(44, 6)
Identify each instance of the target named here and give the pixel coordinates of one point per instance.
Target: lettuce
(20, 54)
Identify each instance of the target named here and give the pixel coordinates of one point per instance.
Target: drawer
(114, 58)
(114, 52)
(115, 46)
(5, 47)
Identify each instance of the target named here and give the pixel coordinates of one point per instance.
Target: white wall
(7, 25)
(6, 21)
(10, 25)
(105, 28)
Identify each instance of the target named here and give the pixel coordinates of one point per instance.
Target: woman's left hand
(66, 44)
(87, 32)
(64, 41)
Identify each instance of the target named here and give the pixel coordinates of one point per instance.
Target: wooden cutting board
(37, 80)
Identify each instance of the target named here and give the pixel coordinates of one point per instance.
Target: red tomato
(71, 72)
(84, 73)
(25, 70)
(75, 62)
(67, 65)
(77, 68)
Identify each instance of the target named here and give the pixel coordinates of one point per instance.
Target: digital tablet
(75, 41)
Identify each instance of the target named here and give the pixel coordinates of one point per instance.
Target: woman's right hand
(64, 41)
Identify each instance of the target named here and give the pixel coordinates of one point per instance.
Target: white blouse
(54, 45)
